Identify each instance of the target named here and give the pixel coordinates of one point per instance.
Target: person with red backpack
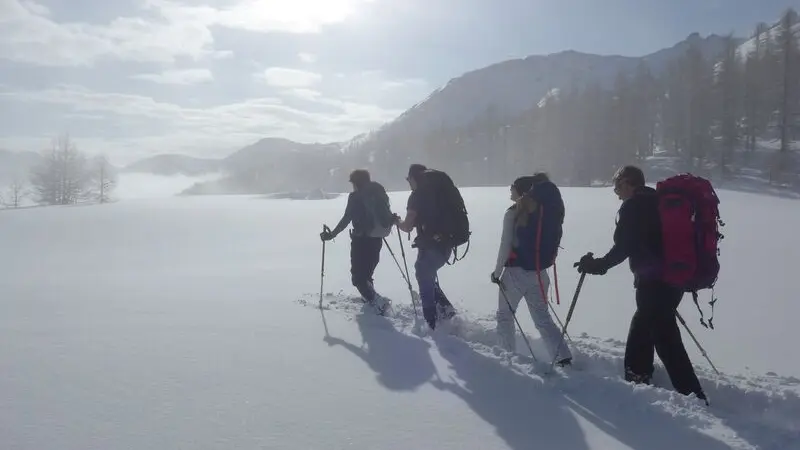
(638, 238)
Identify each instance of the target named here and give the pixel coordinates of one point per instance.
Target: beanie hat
(415, 169)
(523, 184)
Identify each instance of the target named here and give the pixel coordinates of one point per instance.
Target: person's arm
(506, 243)
(407, 224)
(625, 235)
(346, 218)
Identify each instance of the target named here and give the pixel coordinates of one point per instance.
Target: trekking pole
(569, 317)
(560, 323)
(396, 261)
(325, 229)
(702, 350)
(408, 277)
(514, 314)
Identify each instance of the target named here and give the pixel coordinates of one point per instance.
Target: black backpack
(443, 217)
(379, 216)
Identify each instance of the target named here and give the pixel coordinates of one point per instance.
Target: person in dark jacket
(637, 237)
(431, 255)
(366, 238)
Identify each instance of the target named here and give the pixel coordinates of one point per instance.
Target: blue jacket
(549, 213)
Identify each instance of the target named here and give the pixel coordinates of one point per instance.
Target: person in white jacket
(516, 268)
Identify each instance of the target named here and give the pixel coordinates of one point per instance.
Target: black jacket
(356, 209)
(637, 236)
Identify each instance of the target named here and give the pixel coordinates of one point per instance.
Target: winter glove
(589, 264)
(326, 235)
(496, 280)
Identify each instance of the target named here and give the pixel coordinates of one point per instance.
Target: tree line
(65, 176)
(716, 116)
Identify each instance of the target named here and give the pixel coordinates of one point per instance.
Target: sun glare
(290, 15)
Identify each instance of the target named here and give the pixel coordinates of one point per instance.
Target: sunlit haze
(135, 78)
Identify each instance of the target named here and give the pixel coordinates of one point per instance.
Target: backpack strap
(538, 245)
(455, 255)
(710, 323)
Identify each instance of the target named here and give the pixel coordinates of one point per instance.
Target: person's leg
(360, 263)
(538, 309)
(429, 261)
(669, 345)
(639, 348)
(508, 298)
(373, 257)
(372, 254)
(445, 309)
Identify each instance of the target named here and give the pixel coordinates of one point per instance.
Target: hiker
(637, 237)
(522, 262)
(434, 244)
(368, 210)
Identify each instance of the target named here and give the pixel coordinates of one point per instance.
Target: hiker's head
(520, 186)
(540, 177)
(413, 173)
(359, 178)
(627, 180)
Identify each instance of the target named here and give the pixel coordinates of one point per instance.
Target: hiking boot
(381, 303)
(637, 378)
(566, 362)
(702, 396)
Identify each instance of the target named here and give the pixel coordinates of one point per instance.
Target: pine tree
(727, 93)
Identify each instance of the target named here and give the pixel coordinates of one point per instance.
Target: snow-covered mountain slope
(510, 87)
(192, 322)
(770, 36)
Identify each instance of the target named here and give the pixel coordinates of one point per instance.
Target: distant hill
(274, 165)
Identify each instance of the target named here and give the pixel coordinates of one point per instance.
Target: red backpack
(690, 221)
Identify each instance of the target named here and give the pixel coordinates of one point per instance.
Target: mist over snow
(145, 185)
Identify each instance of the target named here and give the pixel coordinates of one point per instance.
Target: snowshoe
(381, 304)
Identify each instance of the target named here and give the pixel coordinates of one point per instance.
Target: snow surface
(192, 322)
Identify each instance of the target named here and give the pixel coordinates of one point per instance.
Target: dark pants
(365, 253)
(429, 261)
(654, 327)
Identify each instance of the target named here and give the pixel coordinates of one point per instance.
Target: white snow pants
(519, 283)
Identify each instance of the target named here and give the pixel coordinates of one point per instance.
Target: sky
(136, 78)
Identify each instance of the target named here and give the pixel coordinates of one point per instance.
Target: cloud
(178, 76)
(308, 94)
(165, 31)
(295, 16)
(308, 58)
(292, 78)
(159, 127)
(29, 35)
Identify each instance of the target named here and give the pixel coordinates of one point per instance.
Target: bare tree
(105, 180)
(62, 179)
(16, 193)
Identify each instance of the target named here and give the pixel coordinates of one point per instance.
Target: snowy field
(192, 323)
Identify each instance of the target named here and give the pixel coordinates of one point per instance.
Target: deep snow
(192, 322)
